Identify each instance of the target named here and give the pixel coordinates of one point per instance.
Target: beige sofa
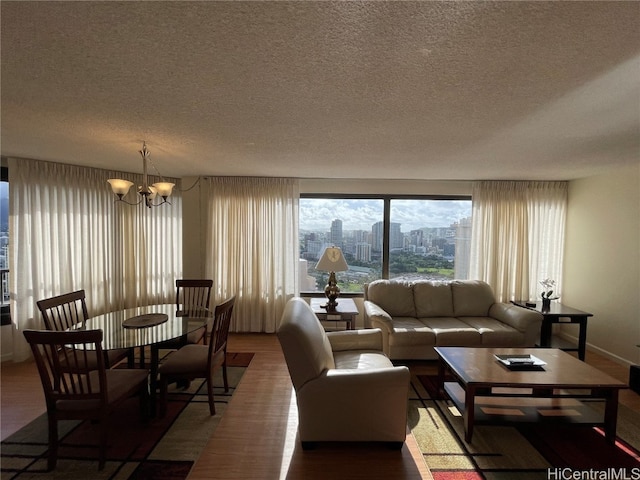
(346, 388)
(416, 316)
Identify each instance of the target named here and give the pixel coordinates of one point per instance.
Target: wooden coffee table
(488, 392)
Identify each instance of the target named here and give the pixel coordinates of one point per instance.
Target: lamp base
(332, 292)
(330, 307)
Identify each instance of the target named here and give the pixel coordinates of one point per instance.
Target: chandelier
(148, 193)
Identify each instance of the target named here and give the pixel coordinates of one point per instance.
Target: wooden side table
(558, 313)
(346, 311)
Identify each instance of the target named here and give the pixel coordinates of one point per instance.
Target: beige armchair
(346, 387)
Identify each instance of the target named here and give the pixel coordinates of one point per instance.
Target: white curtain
(518, 236)
(252, 247)
(66, 233)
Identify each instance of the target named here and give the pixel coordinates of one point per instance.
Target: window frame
(386, 219)
(5, 311)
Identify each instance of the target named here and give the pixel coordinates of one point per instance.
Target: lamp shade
(120, 187)
(332, 260)
(164, 189)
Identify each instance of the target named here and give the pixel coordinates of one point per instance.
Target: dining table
(146, 326)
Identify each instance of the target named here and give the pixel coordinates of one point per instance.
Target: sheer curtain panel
(252, 247)
(518, 236)
(66, 234)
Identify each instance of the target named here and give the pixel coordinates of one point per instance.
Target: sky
(316, 214)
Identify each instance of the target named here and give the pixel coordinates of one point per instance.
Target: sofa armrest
(522, 319)
(368, 339)
(376, 317)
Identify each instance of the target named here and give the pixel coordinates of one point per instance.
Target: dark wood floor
(256, 437)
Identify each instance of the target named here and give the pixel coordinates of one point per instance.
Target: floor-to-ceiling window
(416, 237)
(4, 246)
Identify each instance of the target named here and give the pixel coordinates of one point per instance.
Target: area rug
(163, 449)
(514, 453)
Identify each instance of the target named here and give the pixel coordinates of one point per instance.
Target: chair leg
(103, 442)
(164, 387)
(53, 442)
(144, 403)
(131, 358)
(212, 405)
(224, 375)
(142, 361)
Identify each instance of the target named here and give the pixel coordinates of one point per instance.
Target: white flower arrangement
(548, 285)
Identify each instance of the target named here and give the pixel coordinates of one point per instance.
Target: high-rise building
(377, 231)
(336, 233)
(463, 247)
(396, 238)
(363, 252)
(314, 249)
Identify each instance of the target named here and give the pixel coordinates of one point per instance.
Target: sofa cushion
(394, 297)
(471, 298)
(493, 332)
(452, 332)
(433, 299)
(411, 331)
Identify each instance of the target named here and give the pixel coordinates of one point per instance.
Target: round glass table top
(116, 335)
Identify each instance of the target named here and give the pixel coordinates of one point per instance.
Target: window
(348, 223)
(429, 239)
(384, 237)
(4, 246)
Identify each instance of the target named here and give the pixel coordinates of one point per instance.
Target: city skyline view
(4, 205)
(427, 239)
(316, 214)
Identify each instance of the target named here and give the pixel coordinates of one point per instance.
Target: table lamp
(332, 261)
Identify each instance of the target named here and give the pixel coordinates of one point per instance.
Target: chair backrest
(304, 342)
(220, 330)
(64, 311)
(66, 371)
(193, 294)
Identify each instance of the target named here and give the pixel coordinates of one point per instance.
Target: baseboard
(592, 348)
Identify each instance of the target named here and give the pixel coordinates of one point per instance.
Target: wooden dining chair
(200, 361)
(65, 311)
(74, 389)
(192, 297)
(194, 294)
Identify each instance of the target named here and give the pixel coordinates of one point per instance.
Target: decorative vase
(546, 303)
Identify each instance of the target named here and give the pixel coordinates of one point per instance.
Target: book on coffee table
(520, 361)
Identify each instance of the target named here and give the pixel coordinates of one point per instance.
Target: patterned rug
(164, 449)
(514, 453)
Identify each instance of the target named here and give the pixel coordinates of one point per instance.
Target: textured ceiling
(399, 90)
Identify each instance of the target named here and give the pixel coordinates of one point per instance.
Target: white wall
(602, 260)
(385, 187)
